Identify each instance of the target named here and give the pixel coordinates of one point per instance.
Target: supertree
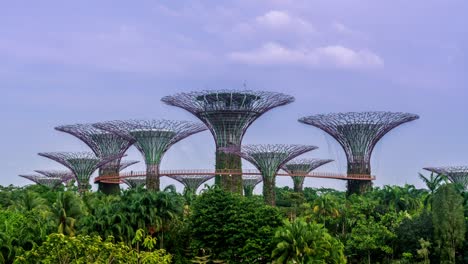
(127, 163)
(456, 174)
(249, 182)
(82, 164)
(103, 144)
(191, 182)
(152, 138)
(299, 167)
(50, 182)
(135, 182)
(269, 159)
(358, 133)
(65, 175)
(228, 114)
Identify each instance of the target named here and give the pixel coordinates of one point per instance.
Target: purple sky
(88, 61)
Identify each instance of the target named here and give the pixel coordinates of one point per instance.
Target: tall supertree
(269, 159)
(298, 167)
(358, 133)
(152, 138)
(228, 114)
(456, 174)
(191, 182)
(50, 182)
(135, 182)
(249, 182)
(103, 144)
(82, 164)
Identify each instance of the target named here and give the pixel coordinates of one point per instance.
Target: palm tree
(29, 201)
(300, 242)
(66, 210)
(432, 183)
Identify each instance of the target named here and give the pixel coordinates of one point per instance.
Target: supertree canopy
(65, 175)
(103, 144)
(135, 182)
(269, 159)
(249, 182)
(456, 174)
(300, 167)
(82, 164)
(228, 114)
(191, 182)
(51, 182)
(152, 138)
(358, 133)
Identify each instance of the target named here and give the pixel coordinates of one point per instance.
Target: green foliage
(411, 231)
(233, 228)
(449, 222)
(59, 248)
(368, 238)
(301, 242)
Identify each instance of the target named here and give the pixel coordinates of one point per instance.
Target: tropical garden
(390, 224)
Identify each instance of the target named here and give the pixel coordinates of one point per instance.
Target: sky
(66, 62)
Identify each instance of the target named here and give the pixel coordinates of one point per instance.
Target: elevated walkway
(204, 172)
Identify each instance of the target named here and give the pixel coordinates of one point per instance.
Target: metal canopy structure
(228, 114)
(135, 182)
(358, 133)
(456, 174)
(191, 182)
(103, 144)
(152, 138)
(50, 182)
(82, 164)
(249, 182)
(302, 166)
(269, 159)
(65, 175)
(127, 163)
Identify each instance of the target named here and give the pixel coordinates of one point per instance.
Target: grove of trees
(390, 224)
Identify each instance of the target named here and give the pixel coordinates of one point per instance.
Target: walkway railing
(204, 172)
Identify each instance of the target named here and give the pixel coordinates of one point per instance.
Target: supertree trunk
(112, 188)
(224, 161)
(269, 194)
(298, 183)
(152, 177)
(358, 186)
(248, 191)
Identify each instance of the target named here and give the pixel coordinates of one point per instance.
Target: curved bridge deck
(204, 172)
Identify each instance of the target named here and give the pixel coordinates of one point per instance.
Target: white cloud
(282, 21)
(328, 56)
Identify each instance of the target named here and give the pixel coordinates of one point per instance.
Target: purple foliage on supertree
(456, 174)
(228, 113)
(358, 132)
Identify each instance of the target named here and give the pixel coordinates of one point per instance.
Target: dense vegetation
(393, 224)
